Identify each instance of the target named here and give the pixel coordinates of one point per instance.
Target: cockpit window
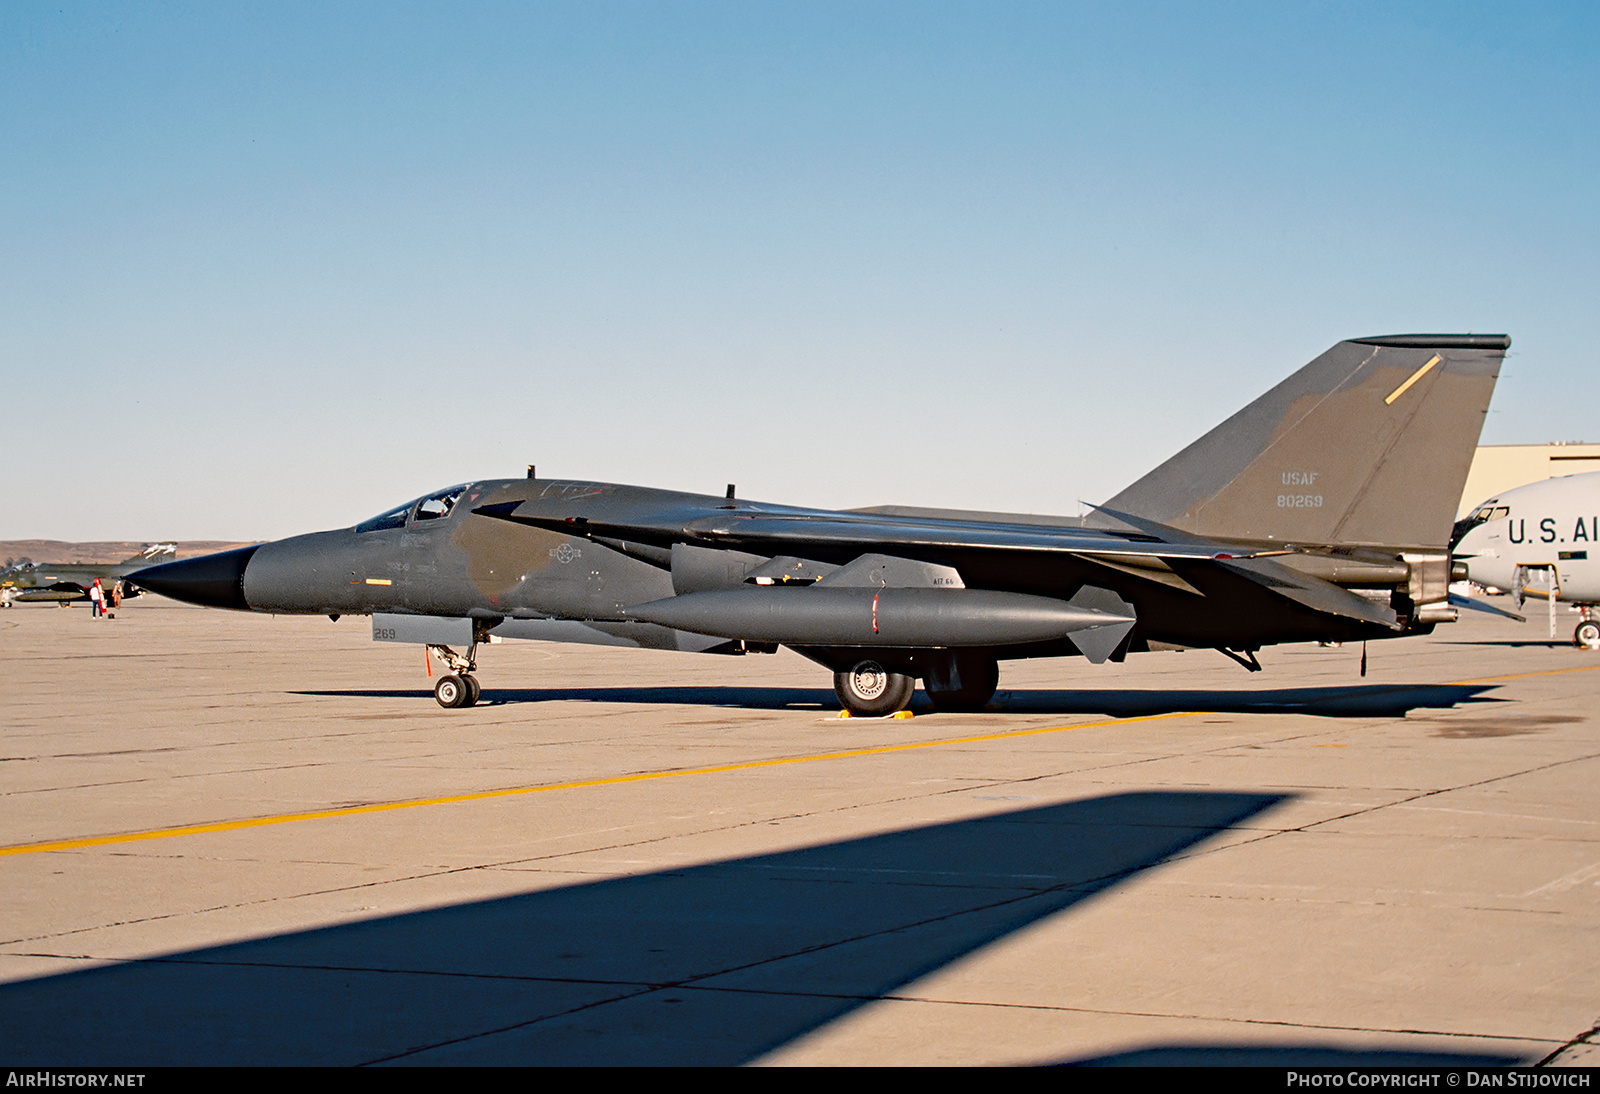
(432, 507)
(1483, 514)
(439, 505)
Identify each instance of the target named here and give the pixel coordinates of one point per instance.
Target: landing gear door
(428, 630)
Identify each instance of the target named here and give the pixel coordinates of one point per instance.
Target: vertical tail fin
(1368, 444)
(153, 553)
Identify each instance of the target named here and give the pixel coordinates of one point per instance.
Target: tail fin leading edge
(1369, 444)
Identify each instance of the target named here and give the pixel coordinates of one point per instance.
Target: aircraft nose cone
(212, 581)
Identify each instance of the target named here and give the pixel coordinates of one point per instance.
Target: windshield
(394, 518)
(1486, 513)
(1481, 515)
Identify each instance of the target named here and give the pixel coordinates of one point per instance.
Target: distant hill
(55, 550)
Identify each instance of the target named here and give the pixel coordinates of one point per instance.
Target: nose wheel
(1587, 636)
(457, 691)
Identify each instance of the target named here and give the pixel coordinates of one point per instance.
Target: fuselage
(445, 555)
(1543, 526)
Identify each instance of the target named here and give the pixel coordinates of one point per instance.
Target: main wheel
(978, 681)
(450, 691)
(868, 690)
(1587, 636)
(474, 689)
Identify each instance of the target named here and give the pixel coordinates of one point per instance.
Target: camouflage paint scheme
(67, 583)
(461, 565)
(1320, 512)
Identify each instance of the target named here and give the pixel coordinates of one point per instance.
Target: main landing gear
(963, 683)
(868, 690)
(458, 687)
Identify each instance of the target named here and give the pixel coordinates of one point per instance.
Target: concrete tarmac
(240, 839)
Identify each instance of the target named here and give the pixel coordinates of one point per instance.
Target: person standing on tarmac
(97, 599)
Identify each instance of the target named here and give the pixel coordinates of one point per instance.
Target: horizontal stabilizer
(1459, 601)
(1313, 592)
(1165, 532)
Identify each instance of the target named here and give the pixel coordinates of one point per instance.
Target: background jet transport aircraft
(1321, 511)
(1540, 540)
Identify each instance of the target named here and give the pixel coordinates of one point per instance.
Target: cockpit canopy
(1485, 513)
(431, 507)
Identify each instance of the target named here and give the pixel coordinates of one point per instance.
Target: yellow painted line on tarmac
(1526, 675)
(487, 795)
(618, 780)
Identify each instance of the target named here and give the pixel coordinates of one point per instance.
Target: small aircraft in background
(1540, 540)
(1320, 512)
(67, 582)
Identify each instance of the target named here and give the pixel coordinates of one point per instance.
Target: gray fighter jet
(1320, 512)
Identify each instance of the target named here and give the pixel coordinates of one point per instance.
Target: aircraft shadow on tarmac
(1349, 701)
(711, 964)
(1520, 643)
(1304, 1055)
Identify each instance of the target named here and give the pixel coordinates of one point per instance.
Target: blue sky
(269, 269)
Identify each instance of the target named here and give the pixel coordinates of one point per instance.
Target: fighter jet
(1540, 540)
(1320, 512)
(67, 582)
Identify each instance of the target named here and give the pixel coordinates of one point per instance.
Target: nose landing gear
(458, 687)
(1587, 636)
